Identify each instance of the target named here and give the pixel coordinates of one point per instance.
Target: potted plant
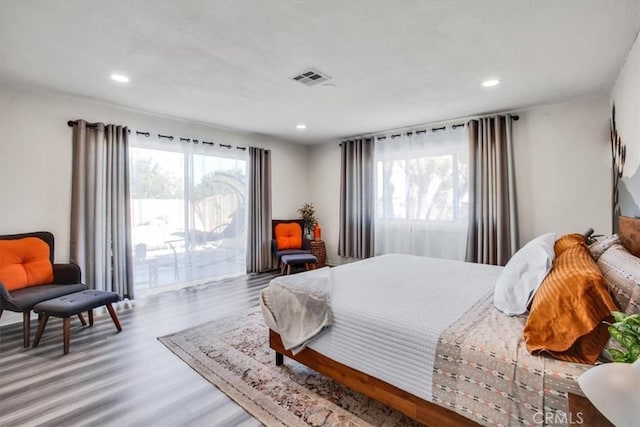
(625, 330)
(307, 213)
(613, 387)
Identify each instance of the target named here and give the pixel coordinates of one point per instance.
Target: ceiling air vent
(311, 77)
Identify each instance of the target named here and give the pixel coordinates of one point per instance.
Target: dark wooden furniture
(581, 410)
(412, 406)
(74, 304)
(400, 400)
(319, 250)
(66, 280)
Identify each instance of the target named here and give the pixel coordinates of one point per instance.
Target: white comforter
(389, 311)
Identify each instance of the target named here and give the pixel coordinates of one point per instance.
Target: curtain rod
(72, 123)
(514, 117)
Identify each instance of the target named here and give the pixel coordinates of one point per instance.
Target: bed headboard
(629, 234)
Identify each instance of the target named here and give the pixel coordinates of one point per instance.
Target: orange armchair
(29, 276)
(292, 244)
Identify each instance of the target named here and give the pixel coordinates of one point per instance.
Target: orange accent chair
(284, 242)
(29, 276)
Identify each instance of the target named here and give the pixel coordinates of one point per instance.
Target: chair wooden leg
(81, 317)
(288, 269)
(26, 328)
(44, 318)
(114, 317)
(90, 313)
(279, 359)
(66, 331)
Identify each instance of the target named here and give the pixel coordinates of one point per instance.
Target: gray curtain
(357, 208)
(259, 211)
(493, 227)
(100, 207)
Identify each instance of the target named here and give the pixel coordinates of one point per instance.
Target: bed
(466, 363)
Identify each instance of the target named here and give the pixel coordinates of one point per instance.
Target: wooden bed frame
(412, 406)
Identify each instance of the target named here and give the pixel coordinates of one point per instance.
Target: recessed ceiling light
(120, 78)
(301, 126)
(491, 83)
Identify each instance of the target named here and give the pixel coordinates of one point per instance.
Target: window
(188, 213)
(422, 194)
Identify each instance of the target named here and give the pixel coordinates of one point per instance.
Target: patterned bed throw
(484, 372)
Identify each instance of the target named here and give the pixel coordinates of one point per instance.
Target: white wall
(626, 96)
(35, 157)
(562, 168)
(562, 173)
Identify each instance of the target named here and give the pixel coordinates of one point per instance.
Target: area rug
(234, 355)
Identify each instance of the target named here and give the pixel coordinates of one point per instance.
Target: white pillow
(523, 274)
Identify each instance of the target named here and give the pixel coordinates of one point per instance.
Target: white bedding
(390, 310)
(300, 307)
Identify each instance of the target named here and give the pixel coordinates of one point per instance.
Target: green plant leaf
(617, 355)
(627, 341)
(626, 330)
(618, 316)
(615, 333)
(634, 318)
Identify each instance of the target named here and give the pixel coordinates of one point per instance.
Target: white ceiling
(393, 64)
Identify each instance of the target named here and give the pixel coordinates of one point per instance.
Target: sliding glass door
(188, 214)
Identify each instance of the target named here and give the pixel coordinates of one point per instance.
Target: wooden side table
(582, 410)
(319, 250)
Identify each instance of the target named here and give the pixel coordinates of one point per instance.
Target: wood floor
(127, 378)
